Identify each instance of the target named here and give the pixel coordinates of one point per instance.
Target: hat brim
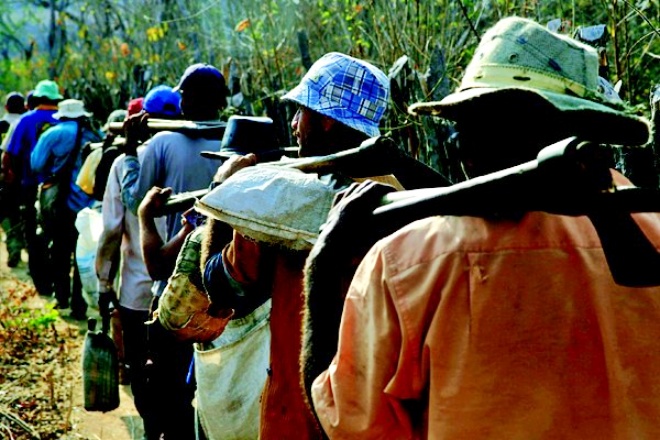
(47, 96)
(224, 155)
(58, 115)
(597, 122)
(302, 95)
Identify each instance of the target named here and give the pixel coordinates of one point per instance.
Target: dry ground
(40, 374)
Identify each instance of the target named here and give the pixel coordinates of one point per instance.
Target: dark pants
(37, 245)
(59, 226)
(12, 222)
(170, 396)
(134, 334)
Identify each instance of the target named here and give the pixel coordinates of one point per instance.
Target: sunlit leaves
(242, 25)
(156, 33)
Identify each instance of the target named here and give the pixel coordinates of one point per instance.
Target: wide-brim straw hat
(521, 67)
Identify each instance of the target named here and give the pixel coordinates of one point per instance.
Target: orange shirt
(285, 412)
(463, 328)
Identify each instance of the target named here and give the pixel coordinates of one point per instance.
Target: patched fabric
(346, 89)
(183, 308)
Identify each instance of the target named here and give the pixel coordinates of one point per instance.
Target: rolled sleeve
(129, 176)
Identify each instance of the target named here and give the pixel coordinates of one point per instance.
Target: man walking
(14, 109)
(56, 161)
(341, 101)
(17, 171)
(509, 326)
(172, 160)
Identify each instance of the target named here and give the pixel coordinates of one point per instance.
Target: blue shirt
(171, 160)
(27, 131)
(51, 153)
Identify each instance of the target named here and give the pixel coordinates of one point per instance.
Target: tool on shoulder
(570, 177)
(210, 129)
(376, 156)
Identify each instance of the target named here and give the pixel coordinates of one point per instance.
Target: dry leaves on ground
(39, 364)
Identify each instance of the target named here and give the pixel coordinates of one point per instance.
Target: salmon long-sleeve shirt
(463, 328)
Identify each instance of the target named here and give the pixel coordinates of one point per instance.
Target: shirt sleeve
(232, 277)
(12, 144)
(353, 398)
(139, 176)
(129, 176)
(109, 246)
(42, 153)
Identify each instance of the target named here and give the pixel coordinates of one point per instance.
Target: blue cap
(202, 77)
(345, 89)
(162, 101)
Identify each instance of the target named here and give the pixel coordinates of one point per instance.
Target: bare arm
(159, 256)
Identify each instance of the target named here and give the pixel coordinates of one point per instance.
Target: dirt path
(23, 383)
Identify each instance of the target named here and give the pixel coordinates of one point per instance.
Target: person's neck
(202, 116)
(46, 107)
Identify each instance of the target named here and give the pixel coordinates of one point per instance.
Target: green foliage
(116, 50)
(32, 319)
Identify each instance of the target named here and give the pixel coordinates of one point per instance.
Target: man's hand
(232, 165)
(153, 202)
(136, 132)
(106, 298)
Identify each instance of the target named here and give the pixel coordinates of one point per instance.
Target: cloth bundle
(272, 204)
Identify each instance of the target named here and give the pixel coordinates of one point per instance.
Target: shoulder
(161, 141)
(118, 162)
(166, 137)
(62, 129)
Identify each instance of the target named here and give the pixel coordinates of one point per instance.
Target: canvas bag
(273, 204)
(89, 223)
(234, 371)
(87, 173)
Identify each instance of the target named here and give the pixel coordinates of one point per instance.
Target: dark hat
(201, 77)
(15, 103)
(523, 65)
(248, 134)
(31, 100)
(162, 101)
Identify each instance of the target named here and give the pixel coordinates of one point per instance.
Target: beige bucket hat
(71, 108)
(520, 65)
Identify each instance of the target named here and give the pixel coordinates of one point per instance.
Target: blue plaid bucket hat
(345, 89)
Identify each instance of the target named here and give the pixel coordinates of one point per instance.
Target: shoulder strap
(67, 169)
